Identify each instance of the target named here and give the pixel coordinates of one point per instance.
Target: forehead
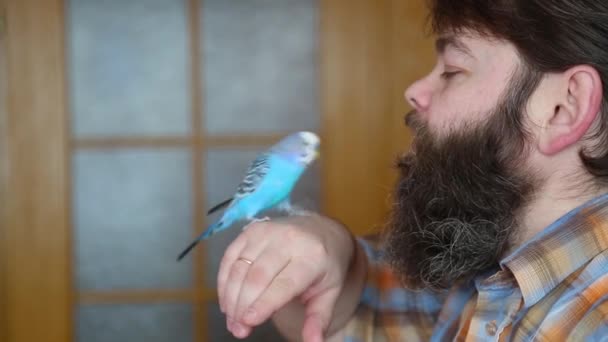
(475, 46)
(446, 42)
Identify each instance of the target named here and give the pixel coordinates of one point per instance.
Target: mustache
(412, 120)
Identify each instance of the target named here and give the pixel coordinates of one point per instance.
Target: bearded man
(499, 229)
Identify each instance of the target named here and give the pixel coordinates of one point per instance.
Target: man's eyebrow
(442, 43)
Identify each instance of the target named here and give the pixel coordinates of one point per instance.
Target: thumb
(319, 312)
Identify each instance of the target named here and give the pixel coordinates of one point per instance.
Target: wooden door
(70, 185)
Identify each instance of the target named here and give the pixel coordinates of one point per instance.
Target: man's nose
(419, 95)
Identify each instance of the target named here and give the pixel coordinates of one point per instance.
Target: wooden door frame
(36, 298)
(3, 173)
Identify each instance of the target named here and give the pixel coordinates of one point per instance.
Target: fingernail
(249, 315)
(239, 330)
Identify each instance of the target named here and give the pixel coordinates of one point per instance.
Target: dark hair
(550, 35)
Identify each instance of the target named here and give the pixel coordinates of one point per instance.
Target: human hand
(272, 263)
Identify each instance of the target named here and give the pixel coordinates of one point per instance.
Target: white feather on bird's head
(302, 147)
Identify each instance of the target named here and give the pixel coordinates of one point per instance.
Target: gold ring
(245, 260)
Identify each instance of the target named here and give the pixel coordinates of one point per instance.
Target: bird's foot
(299, 212)
(263, 219)
(292, 210)
(256, 220)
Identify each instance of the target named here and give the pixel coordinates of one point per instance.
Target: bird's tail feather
(206, 234)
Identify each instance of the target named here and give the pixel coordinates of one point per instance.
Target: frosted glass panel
(225, 168)
(218, 332)
(128, 64)
(135, 323)
(260, 65)
(132, 214)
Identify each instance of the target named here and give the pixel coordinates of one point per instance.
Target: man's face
(466, 83)
(459, 195)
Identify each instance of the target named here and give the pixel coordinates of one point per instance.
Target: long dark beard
(458, 201)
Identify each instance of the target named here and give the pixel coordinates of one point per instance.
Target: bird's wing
(255, 174)
(219, 206)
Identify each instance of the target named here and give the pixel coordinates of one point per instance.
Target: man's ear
(575, 106)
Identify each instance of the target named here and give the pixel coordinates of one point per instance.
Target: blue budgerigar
(267, 184)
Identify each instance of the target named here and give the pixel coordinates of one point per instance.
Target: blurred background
(123, 121)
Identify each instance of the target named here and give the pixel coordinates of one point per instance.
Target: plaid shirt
(553, 288)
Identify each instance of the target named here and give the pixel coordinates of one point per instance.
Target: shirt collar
(550, 257)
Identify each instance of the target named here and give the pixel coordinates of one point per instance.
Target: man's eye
(449, 74)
